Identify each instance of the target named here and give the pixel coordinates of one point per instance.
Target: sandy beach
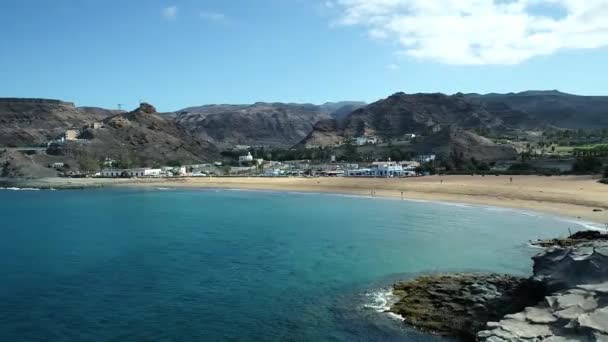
(580, 197)
(573, 196)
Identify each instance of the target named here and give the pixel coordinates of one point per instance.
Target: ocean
(226, 265)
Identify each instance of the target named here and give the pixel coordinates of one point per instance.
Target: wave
(20, 189)
(381, 302)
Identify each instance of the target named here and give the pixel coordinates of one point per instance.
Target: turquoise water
(232, 265)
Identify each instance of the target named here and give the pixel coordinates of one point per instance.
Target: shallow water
(234, 265)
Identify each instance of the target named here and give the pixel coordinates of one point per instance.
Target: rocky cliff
(554, 108)
(272, 124)
(565, 300)
(465, 144)
(28, 122)
(576, 307)
(141, 137)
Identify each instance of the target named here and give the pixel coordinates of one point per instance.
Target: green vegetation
(174, 163)
(598, 150)
(587, 165)
(456, 163)
(89, 164)
(124, 164)
(350, 150)
(528, 169)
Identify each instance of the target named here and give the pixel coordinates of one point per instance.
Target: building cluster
(386, 169)
(75, 134)
(167, 171)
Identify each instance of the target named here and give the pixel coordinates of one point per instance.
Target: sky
(180, 53)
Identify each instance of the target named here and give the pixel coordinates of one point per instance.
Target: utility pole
(120, 106)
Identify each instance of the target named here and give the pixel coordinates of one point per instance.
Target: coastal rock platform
(461, 304)
(579, 314)
(566, 299)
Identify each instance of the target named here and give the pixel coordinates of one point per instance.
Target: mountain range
(274, 124)
(554, 107)
(426, 114)
(199, 133)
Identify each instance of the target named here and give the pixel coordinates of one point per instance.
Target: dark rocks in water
(579, 238)
(589, 235)
(566, 299)
(462, 304)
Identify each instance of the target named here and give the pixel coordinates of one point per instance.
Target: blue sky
(180, 53)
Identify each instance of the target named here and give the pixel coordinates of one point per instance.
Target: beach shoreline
(574, 197)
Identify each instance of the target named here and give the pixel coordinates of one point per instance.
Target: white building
(180, 171)
(410, 165)
(142, 172)
(246, 159)
(386, 169)
(361, 173)
(426, 158)
(360, 141)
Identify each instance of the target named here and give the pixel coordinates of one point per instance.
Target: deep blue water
(228, 265)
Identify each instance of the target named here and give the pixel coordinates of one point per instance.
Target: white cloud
(170, 12)
(212, 16)
(479, 32)
(392, 66)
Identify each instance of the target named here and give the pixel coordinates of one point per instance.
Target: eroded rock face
(579, 314)
(147, 108)
(564, 268)
(565, 300)
(572, 312)
(461, 304)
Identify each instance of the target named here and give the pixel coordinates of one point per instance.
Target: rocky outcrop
(566, 299)
(563, 268)
(143, 138)
(324, 133)
(30, 122)
(461, 304)
(576, 305)
(14, 164)
(579, 314)
(465, 144)
(583, 238)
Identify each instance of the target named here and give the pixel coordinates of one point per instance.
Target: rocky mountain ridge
(270, 124)
(29, 122)
(142, 137)
(553, 108)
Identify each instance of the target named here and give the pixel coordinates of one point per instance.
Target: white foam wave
(381, 302)
(589, 225)
(20, 189)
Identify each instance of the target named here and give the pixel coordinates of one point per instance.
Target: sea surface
(223, 265)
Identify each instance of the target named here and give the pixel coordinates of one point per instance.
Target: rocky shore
(566, 299)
